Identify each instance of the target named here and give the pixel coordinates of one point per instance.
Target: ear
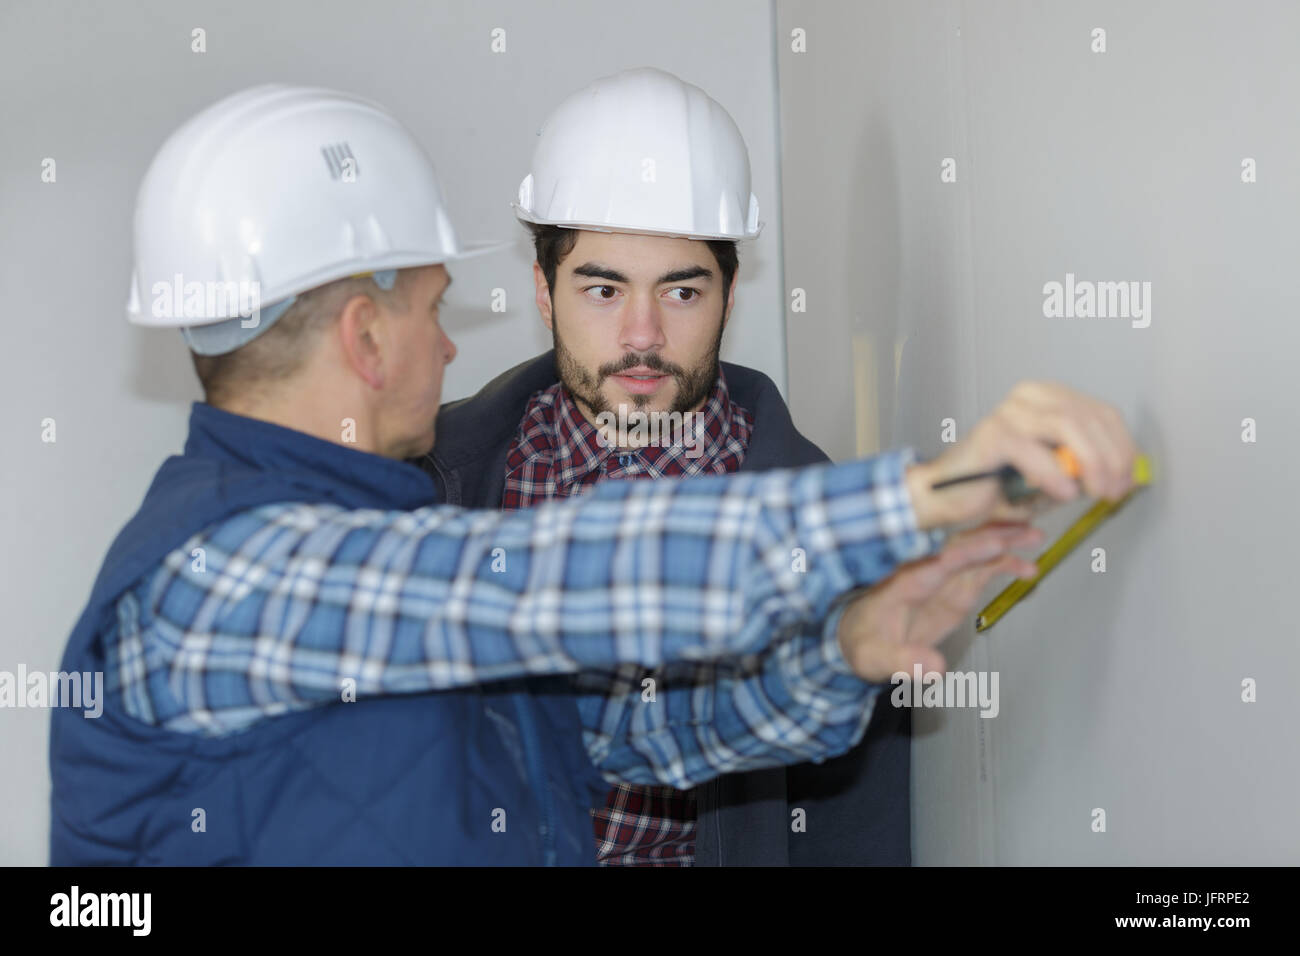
(542, 295)
(361, 337)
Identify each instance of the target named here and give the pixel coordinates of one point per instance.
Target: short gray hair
(281, 350)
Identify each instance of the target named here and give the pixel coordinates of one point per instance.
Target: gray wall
(99, 86)
(924, 301)
(1119, 690)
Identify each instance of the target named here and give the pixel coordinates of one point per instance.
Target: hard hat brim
(526, 216)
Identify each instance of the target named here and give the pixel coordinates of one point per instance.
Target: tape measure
(1063, 545)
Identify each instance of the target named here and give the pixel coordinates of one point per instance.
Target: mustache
(652, 361)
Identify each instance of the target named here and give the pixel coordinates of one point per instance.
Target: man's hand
(1017, 433)
(896, 623)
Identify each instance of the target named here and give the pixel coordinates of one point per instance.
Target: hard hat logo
(342, 164)
(642, 152)
(198, 300)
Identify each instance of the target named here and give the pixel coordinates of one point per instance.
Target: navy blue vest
(414, 779)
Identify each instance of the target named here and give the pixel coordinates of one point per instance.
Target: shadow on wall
(871, 286)
(1038, 618)
(1097, 651)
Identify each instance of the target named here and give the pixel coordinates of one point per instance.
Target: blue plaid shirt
(700, 580)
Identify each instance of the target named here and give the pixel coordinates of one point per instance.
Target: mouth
(640, 381)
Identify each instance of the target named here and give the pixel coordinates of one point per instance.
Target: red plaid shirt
(557, 453)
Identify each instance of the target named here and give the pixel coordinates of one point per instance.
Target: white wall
(99, 86)
(1121, 690)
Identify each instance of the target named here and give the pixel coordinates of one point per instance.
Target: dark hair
(553, 243)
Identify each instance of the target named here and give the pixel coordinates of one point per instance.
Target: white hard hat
(643, 152)
(274, 191)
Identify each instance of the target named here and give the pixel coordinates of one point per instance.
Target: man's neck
(311, 418)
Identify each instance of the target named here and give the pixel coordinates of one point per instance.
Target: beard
(584, 385)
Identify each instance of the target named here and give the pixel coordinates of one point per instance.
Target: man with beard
(638, 194)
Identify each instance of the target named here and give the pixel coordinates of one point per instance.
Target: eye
(603, 293)
(691, 294)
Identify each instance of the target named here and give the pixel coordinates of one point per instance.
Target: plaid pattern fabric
(558, 453)
(691, 578)
(646, 826)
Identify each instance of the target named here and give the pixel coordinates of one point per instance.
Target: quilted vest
(490, 775)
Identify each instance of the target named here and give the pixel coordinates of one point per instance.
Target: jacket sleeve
(679, 726)
(296, 604)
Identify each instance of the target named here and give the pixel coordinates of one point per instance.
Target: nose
(449, 349)
(642, 328)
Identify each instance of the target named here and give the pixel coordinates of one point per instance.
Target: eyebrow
(593, 270)
(443, 293)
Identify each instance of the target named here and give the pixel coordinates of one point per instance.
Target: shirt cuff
(831, 639)
(833, 653)
(841, 683)
(910, 542)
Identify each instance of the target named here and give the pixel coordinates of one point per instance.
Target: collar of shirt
(344, 475)
(555, 435)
